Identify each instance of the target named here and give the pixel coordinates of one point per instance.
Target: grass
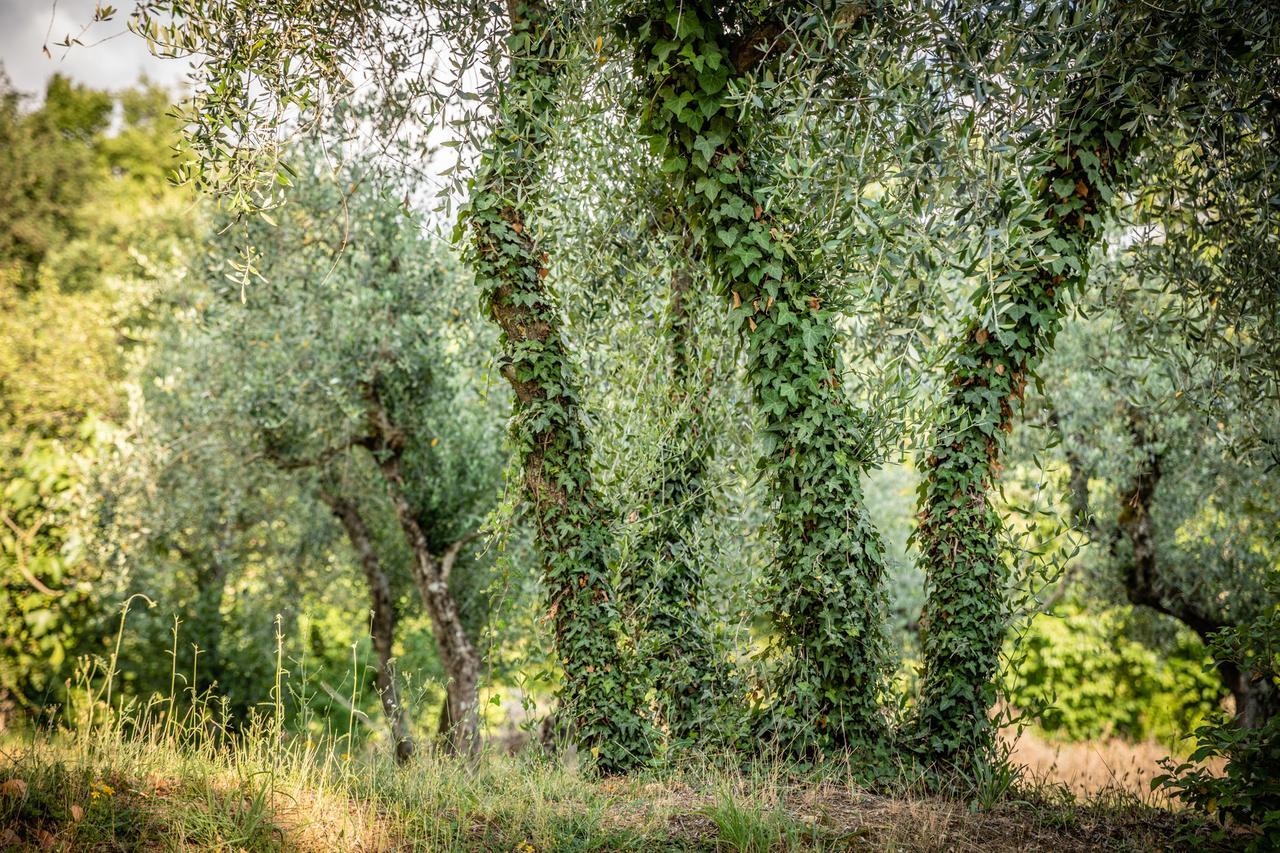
(161, 777)
(147, 789)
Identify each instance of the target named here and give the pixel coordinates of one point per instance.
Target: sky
(113, 64)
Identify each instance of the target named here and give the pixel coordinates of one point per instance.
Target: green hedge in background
(1094, 678)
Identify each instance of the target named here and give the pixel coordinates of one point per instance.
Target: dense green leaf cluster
(825, 586)
(601, 693)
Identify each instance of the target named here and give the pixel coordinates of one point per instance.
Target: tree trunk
(1256, 698)
(966, 612)
(382, 626)
(600, 690)
(431, 576)
(211, 590)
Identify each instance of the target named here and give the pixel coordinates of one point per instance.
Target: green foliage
(687, 659)
(46, 586)
(601, 692)
(1057, 211)
(825, 586)
(1085, 675)
(347, 301)
(836, 183)
(46, 168)
(90, 224)
(1249, 790)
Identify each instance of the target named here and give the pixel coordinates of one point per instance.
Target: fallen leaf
(13, 788)
(77, 813)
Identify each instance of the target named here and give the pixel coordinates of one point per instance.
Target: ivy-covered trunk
(825, 584)
(382, 626)
(689, 670)
(600, 692)
(966, 614)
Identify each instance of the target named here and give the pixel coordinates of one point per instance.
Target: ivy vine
(601, 692)
(825, 585)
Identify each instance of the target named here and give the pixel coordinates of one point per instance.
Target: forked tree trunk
(458, 655)
(1256, 699)
(382, 627)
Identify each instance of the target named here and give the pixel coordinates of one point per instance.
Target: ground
(128, 792)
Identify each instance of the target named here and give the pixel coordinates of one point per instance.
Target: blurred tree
(88, 226)
(1182, 523)
(347, 363)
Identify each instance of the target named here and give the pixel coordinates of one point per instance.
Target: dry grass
(251, 797)
(1096, 767)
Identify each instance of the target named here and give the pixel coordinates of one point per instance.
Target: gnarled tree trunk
(382, 626)
(458, 655)
(1256, 698)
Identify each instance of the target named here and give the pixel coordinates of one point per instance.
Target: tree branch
(450, 555)
(296, 463)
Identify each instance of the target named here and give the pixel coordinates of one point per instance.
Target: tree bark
(382, 626)
(431, 576)
(1256, 698)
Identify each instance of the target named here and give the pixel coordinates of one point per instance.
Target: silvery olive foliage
(888, 212)
(288, 397)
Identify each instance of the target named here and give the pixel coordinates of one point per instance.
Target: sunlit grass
(173, 773)
(153, 787)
